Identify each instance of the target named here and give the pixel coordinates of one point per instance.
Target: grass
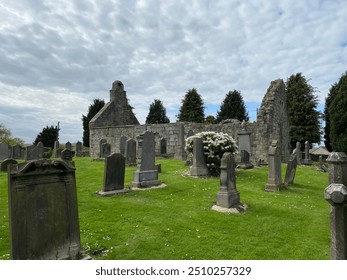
(177, 222)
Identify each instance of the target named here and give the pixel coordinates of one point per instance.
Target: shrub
(215, 145)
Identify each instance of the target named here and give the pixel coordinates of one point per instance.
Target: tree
(336, 114)
(93, 109)
(192, 108)
(6, 137)
(332, 94)
(303, 117)
(233, 107)
(210, 119)
(157, 113)
(47, 136)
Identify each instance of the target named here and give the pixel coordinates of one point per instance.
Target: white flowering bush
(215, 145)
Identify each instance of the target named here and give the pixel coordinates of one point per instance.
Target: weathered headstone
(78, 149)
(40, 150)
(163, 146)
(67, 154)
(101, 143)
(4, 151)
(5, 163)
(244, 139)
(290, 171)
(114, 173)
(199, 167)
(43, 211)
(228, 196)
(122, 144)
(146, 174)
(307, 160)
(68, 145)
(106, 150)
(130, 152)
(274, 178)
(180, 153)
(31, 153)
(245, 161)
(298, 152)
(17, 152)
(56, 150)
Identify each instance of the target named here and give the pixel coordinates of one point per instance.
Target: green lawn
(177, 222)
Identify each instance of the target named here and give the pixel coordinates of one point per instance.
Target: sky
(56, 57)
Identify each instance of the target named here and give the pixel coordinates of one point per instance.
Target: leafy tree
(336, 114)
(233, 107)
(47, 136)
(6, 137)
(157, 113)
(210, 119)
(332, 94)
(303, 117)
(92, 111)
(192, 108)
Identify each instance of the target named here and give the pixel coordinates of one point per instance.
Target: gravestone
(68, 145)
(5, 163)
(17, 152)
(146, 174)
(31, 153)
(43, 211)
(122, 144)
(298, 153)
(307, 160)
(67, 154)
(78, 149)
(322, 167)
(4, 151)
(130, 152)
(105, 150)
(290, 171)
(101, 143)
(199, 167)
(163, 146)
(245, 160)
(228, 196)
(56, 150)
(40, 150)
(180, 153)
(274, 178)
(244, 138)
(114, 173)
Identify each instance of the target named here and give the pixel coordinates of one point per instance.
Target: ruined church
(116, 122)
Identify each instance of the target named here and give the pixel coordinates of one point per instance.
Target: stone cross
(199, 167)
(336, 195)
(275, 178)
(43, 211)
(228, 196)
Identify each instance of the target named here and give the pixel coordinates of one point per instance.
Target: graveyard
(177, 222)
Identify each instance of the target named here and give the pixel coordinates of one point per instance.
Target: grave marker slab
(290, 171)
(4, 151)
(199, 167)
(130, 152)
(122, 144)
(43, 211)
(5, 163)
(274, 178)
(307, 160)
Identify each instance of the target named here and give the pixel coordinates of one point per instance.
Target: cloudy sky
(57, 56)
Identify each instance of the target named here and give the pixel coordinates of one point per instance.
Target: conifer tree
(157, 113)
(47, 136)
(233, 107)
(303, 117)
(92, 111)
(192, 108)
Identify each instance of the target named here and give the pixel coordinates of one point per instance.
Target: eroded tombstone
(67, 154)
(122, 144)
(228, 196)
(245, 161)
(5, 163)
(307, 160)
(31, 153)
(199, 167)
(17, 152)
(4, 151)
(43, 211)
(114, 174)
(146, 174)
(78, 149)
(56, 149)
(130, 152)
(40, 150)
(290, 171)
(275, 177)
(105, 150)
(337, 168)
(68, 145)
(298, 153)
(180, 153)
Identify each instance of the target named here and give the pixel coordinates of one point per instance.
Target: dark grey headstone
(43, 211)
(17, 152)
(4, 151)
(40, 150)
(130, 152)
(67, 154)
(68, 145)
(275, 177)
(122, 144)
(199, 167)
(5, 163)
(78, 149)
(101, 143)
(31, 153)
(290, 171)
(298, 152)
(307, 160)
(105, 150)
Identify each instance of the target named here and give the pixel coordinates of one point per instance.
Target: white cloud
(68, 53)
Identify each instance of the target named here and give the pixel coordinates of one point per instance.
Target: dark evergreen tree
(233, 107)
(157, 113)
(337, 115)
(210, 119)
(92, 111)
(332, 94)
(47, 136)
(192, 108)
(304, 122)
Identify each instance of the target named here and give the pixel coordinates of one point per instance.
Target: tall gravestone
(78, 149)
(180, 152)
(163, 146)
(290, 171)
(307, 160)
(130, 152)
(146, 174)
(336, 195)
(31, 153)
(274, 158)
(17, 152)
(114, 174)
(199, 167)
(4, 151)
(101, 148)
(244, 139)
(122, 144)
(56, 150)
(68, 145)
(43, 211)
(228, 196)
(298, 152)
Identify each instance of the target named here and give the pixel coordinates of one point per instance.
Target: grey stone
(31, 153)
(336, 195)
(290, 171)
(43, 211)
(307, 160)
(180, 153)
(79, 149)
(5, 163)
(4, 151)
(228, 196)
(17, 152)
(163, 146)
(244, 141)
(337, 168)
(130, 152)
(245, 161)
(274, 178)
(199, 167)
(56, 150)
(105, 150)
(67, 154)
(122, 144)
(68, 145)
(146, 174)
(298, 153)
